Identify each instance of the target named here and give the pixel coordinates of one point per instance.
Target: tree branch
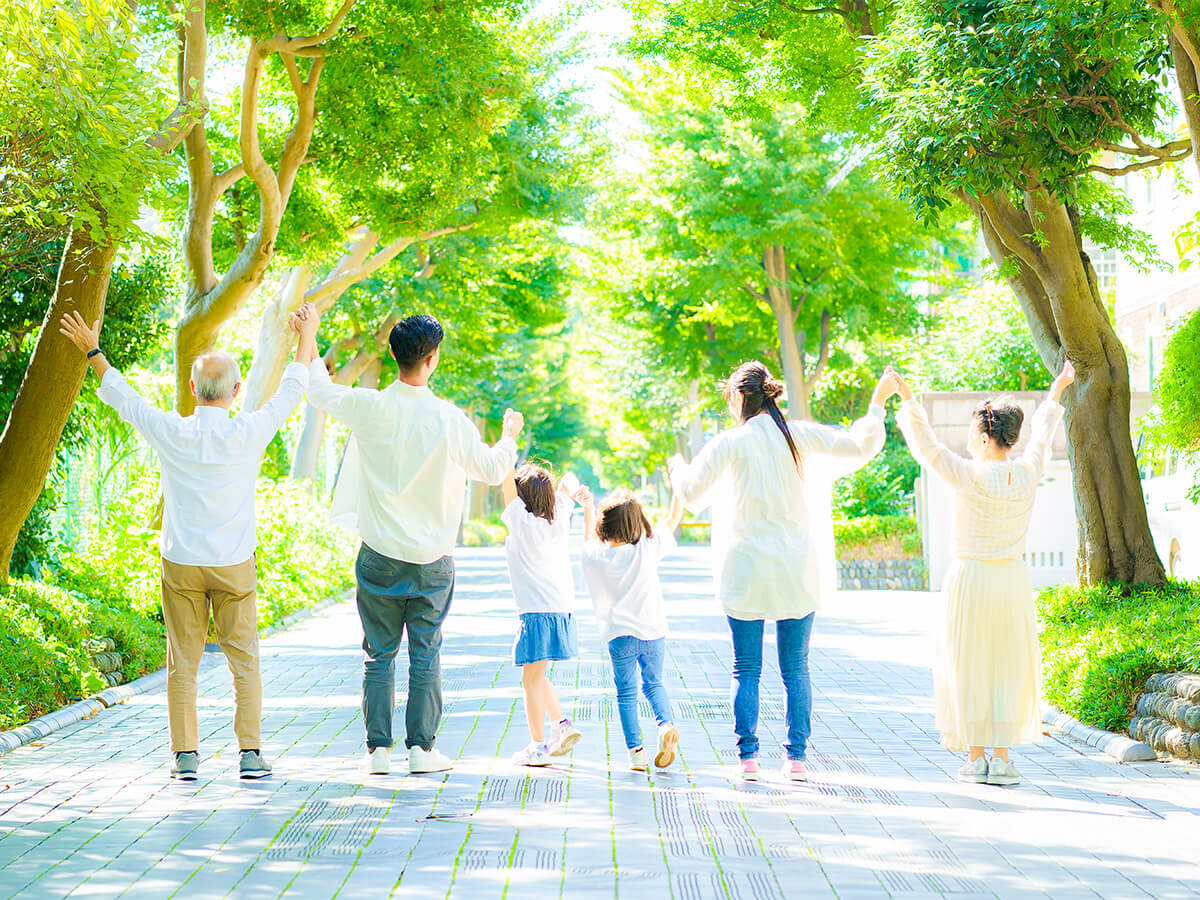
(823, 350)
(283, 44)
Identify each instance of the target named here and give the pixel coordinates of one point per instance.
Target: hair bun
(772, 387)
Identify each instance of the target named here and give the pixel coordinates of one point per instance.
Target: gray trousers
(393, 597)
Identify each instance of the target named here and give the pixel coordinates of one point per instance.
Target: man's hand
(569, 484)
(1062, 380)
(305, 321)
(512, 424)
(76, 330)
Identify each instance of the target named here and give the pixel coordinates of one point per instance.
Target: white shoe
(532, 755)
(638, 761)
(421, 761)
(379, 760)
(563, 736)
(668, 740)
(974, 771)
(1001, 771)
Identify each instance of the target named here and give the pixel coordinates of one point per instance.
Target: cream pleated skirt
(987, 674)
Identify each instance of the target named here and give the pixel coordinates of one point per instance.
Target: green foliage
(883, 487)
(76, 109)
(1175, 421)
(486, 531)
(865, 533)
(993, 350)
(1100, 644)
(984, 98)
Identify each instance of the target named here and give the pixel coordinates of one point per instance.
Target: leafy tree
(1175, 422)
(1009, 107)
(80, 140)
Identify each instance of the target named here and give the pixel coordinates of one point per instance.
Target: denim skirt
(544, 636)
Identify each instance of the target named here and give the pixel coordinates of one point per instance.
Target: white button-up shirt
(413, 454)
(209, 464)
(766, 559)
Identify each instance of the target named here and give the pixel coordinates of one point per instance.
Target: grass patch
(1100, 644)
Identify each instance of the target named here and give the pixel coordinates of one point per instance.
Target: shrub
(883, 487)
(487, 531)
(1175, 422)
(1100, 644)
(871, 537)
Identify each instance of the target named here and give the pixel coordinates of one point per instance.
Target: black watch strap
(92, 353)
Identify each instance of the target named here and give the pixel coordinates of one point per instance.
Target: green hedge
(870, 531)
(1100, 644)
(112, 590)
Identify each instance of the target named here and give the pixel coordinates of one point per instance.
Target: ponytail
(759, 391)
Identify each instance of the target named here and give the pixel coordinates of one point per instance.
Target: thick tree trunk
(50, 386)
(308, 448)
(1058, 291)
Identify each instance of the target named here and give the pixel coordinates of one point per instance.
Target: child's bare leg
(975, 752)
(550, 699)
(1000, 752)
(532, 677)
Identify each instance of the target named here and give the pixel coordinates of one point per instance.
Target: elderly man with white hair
(209, 464)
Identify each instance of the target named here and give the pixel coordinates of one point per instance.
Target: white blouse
(993, 500)
(765, 556)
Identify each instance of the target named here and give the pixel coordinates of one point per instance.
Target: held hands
(305, 321)
(512, 424)
(75, 329)
(887, 386)
(903, 390)
(583, 496)
(1062, 380)
(674, 464)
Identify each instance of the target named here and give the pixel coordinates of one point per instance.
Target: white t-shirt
(623, 581)
(539, 561)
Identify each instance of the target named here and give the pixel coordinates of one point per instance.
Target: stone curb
(43, 725)
(1118, 746)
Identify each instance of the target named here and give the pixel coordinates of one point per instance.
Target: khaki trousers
(187, 592)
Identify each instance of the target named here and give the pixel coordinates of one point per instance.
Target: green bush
(883, 487)
(1100, 644)
(867, 533)
(1175, 421)
(487, 531)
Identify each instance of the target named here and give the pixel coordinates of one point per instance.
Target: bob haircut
(621, 519)
(535, 487)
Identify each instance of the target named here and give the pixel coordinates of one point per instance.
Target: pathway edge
(38, 728)
(1121, 748)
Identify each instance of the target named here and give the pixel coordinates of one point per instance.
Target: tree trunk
(1058, 291)
(276, 339)
(695, 428)
(308, 448)
(50, 386)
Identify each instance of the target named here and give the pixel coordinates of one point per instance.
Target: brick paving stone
(91, 811)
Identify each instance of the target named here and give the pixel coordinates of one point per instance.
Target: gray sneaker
(186, 766)
(253, 765)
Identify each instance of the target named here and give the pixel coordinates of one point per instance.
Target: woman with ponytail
(765, 563)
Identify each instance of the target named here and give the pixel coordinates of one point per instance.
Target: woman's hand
(885, 388)
(1064, 379)
(903, 390)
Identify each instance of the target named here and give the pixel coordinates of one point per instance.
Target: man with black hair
(415, 454)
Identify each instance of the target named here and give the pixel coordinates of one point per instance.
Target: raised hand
(887, 386)
(73, 326)
(674, 463)
(1064, 379)
(903, 390)
(583, 496)
(512, 424)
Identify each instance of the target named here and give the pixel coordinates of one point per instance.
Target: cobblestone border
(43, 725)
(1121, 748)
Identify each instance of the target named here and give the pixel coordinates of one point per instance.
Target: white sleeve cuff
(316, 370)
(877, 411)
(298, 372)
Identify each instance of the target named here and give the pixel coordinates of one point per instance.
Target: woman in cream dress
(988, 663)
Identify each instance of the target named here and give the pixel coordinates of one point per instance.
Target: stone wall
(105, 657)
(882, 575)
(1168, 715)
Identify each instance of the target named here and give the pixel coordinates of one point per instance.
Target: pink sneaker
(793, 770)
(749, 770)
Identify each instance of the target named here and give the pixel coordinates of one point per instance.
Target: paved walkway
(91, 809)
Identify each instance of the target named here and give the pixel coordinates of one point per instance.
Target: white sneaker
(668, 740)
(974, 771)
(532, 755)
(379, 761)
(638, 761)
(563, 736)
(1001, 771)
(421, 762)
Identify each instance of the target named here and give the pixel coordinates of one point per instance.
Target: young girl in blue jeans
(621, 554)
(538, 517)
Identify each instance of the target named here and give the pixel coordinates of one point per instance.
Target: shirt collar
(210, 412)
(409, 390)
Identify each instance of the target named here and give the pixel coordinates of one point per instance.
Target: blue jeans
(628, 655)
(792, 637)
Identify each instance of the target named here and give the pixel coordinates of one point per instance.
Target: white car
(1174, 519)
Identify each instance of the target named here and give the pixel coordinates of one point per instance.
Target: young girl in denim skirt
(621, 554)
(539, 521)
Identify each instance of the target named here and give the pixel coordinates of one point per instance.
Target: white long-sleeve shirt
(993, 501)
(766, 560)
(209, 464)
(415, 453)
